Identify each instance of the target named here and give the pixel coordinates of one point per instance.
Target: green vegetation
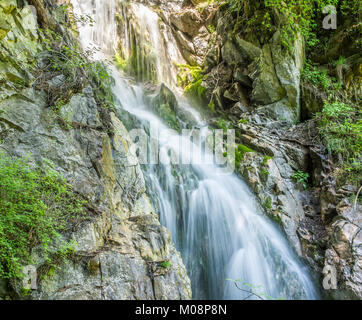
(317, 77)
(139, 61)
(211, 106)
(166, 264)
(240, 151)
(190, 78)
(340, 126)
(63, 121)
(275, 216)
(120, 62)
(268, 204)
(223, 124)
(264, 172)
(265, 160)
(302, 16)
(75, 64)
(302, 178)
(36, 207)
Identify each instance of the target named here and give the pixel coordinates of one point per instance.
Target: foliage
(120, 62)
(222, 124)
(191, 78)
(268, 203)
(275, 216)
(166, 264)
(264, 172)
(36, 206)
(301, 177)
(76, 65)
(102, 82)
(340, 126)
(240, 151)
(304, 16)
(265, 160)
(317, 77)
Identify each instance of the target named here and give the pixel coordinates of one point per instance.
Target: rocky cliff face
(249, 79)
(122, 248)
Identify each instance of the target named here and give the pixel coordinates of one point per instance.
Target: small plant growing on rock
(166, 264)
(340, 126)
(302, 178)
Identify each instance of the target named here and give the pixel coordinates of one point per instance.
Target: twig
(250, 292)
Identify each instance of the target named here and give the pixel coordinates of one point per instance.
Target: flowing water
(215, 221)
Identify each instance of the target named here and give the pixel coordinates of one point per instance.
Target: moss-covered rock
(165, 105)
(19, 38)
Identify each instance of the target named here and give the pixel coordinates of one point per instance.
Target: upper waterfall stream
(215, 220)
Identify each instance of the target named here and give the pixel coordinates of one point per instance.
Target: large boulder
(188, 21)
(278, 79)
(20, 41)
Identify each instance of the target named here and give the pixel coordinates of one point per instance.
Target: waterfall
(97, 25)
(153, 55)
(215, 220)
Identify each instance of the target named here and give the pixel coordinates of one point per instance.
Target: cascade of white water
(97, 25)
(214, 219)
(156, 51)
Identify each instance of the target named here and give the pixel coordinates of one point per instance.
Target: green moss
(222, 124)
(25, 292)
(3, 33)
(51, 272)
(120, 63)
(243, 121)
(264, 172)
(169, 116)
(275, 217)
(211, 106)
(268, 204)
(265, 160)
(166, 264)
(190, 78)
(240, 151)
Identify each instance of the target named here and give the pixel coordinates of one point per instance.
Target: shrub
(36, 206)
(340, 126)
(76, 65)
(302, 178)
(302, 16)
(317, 77)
